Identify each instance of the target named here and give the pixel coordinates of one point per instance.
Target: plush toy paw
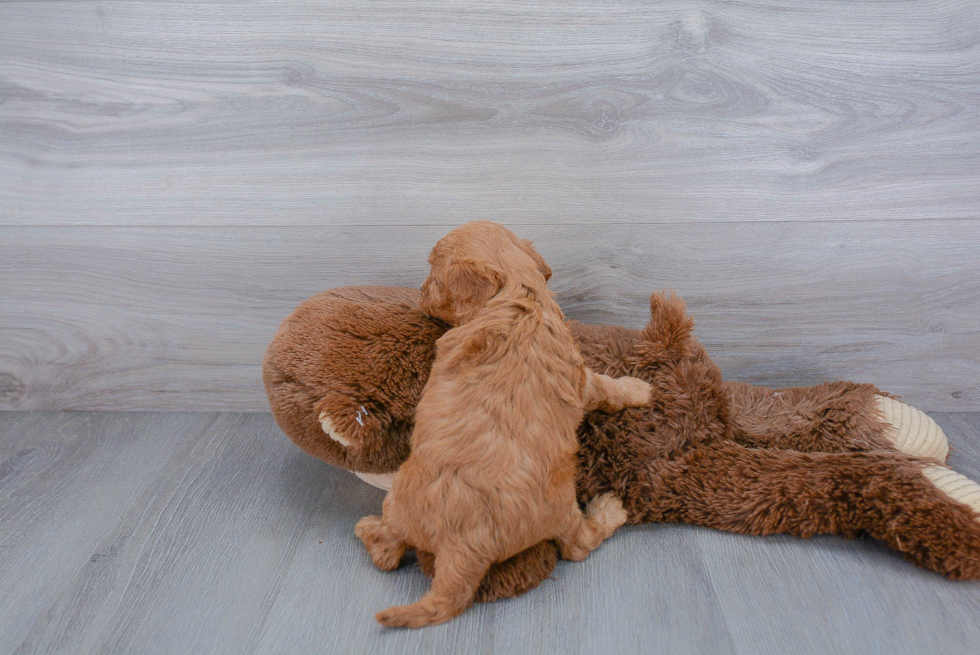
(958, 487)
(912, 431)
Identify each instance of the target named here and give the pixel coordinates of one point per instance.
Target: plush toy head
(345, 372)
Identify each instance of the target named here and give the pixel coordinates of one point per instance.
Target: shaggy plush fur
(730, 456)
(492, 467)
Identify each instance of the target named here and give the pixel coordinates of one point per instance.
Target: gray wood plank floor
(211, 533)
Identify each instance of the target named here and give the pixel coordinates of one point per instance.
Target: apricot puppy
(493, 462)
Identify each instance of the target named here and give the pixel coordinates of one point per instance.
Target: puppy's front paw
(635, 392)
(607, 510)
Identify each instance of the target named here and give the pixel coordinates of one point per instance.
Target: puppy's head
(472, 264)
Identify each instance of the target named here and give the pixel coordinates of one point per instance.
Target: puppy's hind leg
(457, 576)
(583, 533)
(613, 394)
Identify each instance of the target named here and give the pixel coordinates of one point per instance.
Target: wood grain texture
(965, 430)
(65, 479)
(205, 546)
(175, 177)
(178, 318)
(289, 112)
(204, 533)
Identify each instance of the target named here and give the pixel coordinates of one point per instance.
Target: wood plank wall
(175, 177)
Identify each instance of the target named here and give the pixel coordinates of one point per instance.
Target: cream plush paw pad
(911, 430)
(958, 487)
(331, 432)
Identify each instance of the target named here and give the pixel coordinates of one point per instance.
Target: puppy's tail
(668, 337)
(457, 576)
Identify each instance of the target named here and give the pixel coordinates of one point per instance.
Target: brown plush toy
(345, 371)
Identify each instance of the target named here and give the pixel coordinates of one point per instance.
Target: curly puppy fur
(493, 464)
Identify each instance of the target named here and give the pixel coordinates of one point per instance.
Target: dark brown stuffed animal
(345, 371)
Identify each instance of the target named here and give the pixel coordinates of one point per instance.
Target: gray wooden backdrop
(176, 176)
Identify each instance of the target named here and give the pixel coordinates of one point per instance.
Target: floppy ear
(471, 285)
(538, 259)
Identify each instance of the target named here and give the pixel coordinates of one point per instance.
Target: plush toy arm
(915, 506)
(833, 417)
(344, 372)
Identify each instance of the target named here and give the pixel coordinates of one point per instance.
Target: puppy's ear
(471, 285)
(528, 247)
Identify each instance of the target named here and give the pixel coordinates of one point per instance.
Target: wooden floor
(211, 533)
